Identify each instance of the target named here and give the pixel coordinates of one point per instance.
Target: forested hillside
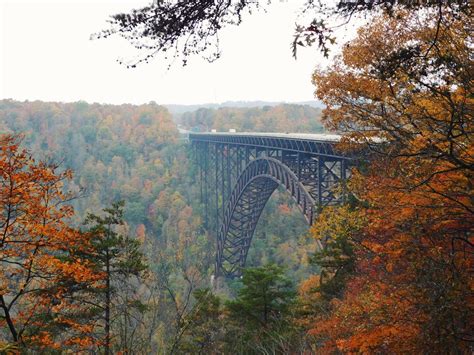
(280, 118)
(116, 152)
(134, 154)
(180, 109)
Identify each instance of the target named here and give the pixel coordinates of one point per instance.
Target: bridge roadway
(311, 143)
(240, 171)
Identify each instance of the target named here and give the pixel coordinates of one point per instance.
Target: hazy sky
(46, 55)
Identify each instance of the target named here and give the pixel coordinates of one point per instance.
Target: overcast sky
(46, 54)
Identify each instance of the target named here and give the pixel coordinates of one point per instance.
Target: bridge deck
(321, 144)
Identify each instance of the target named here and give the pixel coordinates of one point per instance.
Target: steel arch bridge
(240, 171)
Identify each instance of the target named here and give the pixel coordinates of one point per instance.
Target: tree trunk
(107, 304)
(8, 319)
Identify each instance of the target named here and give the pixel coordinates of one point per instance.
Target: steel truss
(237, 180)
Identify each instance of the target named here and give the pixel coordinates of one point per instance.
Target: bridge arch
(251, 192)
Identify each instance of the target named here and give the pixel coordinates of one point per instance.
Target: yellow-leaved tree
(403, 91)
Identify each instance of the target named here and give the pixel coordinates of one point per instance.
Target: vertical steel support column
(228, 176)
(343, 180)
(239, 160)
(199, 159)
(298, 158)
(223, 176)
(320, 181)
(205, 156)
(216, 193)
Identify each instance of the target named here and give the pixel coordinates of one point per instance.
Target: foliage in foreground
(40, 263)
(117, 298)
(60, 286)
(259, 319)
(407, 80)
(185, 29)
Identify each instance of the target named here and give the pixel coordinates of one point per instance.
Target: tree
(203, 333)
(119, 258)
(408, 101)
(259, 317)
(280, 118)
(171, 227)
(39, 262)
(190, 28)
(337, 229)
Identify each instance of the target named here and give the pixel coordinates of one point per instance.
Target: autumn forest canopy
(103, 246)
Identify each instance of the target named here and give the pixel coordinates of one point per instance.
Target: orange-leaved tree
(39, 267)
(403, 89)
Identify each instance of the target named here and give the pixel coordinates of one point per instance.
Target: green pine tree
(259, 319)
(121, 260)
(203, 327)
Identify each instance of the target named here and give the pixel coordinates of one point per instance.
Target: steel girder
(245, 205)
(325, 148)
(238, 179)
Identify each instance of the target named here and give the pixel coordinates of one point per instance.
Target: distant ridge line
(177, 108)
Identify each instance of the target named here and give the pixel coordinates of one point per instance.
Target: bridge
(238, 173)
